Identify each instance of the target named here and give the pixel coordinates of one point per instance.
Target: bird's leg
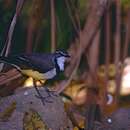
(43, 99)
(49, 92)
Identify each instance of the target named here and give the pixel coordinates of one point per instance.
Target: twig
(53, 26)
(7, 45)
(107, 54)
(34, 24)
(79, 53)
(127, 39)
(92, 55)
(86, 35)
(73, 72)
(71, 16)
(117, 48)
(12, 25)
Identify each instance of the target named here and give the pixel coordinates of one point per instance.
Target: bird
(39, 66)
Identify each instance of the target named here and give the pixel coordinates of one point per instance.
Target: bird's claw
(44, 99)
(51, 93)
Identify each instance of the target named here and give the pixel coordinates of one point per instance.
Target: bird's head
(61, 57)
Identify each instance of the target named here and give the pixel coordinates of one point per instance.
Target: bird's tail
(7, 60)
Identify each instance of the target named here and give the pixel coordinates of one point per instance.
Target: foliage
(6, 14)
(125, 3)
(64, 25)
(65, 29)
(83, 9)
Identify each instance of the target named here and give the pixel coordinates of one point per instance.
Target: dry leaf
(33, 121)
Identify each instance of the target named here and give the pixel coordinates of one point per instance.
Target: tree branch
(53, 26)
(97, 8)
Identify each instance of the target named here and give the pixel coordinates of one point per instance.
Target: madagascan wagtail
(39, 66)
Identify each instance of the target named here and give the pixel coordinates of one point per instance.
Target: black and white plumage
(37, 65)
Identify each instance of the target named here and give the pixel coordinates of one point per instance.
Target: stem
(53, 26)
(117, 48)
(125, 50)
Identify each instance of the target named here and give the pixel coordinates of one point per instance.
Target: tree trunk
(93, 57)
(127, 39)
(34, 23)
(107, 55)
(117, 48)
(53, 26)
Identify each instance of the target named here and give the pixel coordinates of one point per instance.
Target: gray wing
(35, 61)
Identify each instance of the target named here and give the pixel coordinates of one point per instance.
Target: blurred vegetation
(125, 3)
(65, 32)
(71, 15)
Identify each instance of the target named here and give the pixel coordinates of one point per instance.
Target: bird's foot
(51, 93)
(44, 99)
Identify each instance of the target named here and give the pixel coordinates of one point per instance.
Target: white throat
(61, 62)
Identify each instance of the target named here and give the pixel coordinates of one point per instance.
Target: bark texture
(19, 111)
